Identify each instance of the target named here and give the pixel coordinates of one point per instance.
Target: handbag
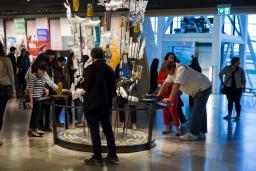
(224, 90)
(6, 92)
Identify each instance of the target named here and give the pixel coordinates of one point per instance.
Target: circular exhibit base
(127, 141)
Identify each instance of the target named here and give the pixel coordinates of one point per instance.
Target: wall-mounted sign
(42, 35)
(19, 25)
(224, 9)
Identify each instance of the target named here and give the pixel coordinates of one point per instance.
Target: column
(216, 52)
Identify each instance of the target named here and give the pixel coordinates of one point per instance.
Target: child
(36, 89)
(168, 111)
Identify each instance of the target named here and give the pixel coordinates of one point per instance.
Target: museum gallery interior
(127, 85)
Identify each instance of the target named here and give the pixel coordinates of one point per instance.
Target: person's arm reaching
(175, 89)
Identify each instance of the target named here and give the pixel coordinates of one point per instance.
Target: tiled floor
(229, 146)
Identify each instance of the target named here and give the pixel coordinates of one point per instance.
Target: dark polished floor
(229, 146)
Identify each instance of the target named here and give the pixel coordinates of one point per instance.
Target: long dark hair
(70, 60)
(154, 64)
(39, 59)
(171, 53)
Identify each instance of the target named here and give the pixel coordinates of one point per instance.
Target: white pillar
(216, 52)
(244, 33)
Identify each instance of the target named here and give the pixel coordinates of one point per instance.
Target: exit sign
(224, 9)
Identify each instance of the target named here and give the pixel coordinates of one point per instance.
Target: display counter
(127, 139)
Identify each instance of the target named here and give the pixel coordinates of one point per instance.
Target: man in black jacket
(11, 55)
(100, 86)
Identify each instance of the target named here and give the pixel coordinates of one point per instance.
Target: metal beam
(232, 39)
(167, 24)
(208, 22)
(190, 37)
(233, 25)
(251, 49)
(223, 62)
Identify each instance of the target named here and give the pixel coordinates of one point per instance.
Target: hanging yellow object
(75, 5)
(105, 19)
(122, 22)
(136, 28)
(89, 10)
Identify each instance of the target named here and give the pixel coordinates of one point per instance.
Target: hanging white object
(143, 45)
(121, 92)
(113, 5)
(105, 38)
(91, 23)
(77, 56)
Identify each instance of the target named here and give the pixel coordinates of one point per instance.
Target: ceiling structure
(25, 7)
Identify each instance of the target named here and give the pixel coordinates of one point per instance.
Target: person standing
(7, 87)
(197, 85)
(171, 57)
(153, 75)
(196, 66)
(23, 64)
(235, 84)
(36, 89)
(100, 86)
(12, 57)
(168, 111)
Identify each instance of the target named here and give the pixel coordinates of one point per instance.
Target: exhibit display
(128, 139)
(91, 32)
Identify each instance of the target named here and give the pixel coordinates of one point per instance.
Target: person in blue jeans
(198, 86)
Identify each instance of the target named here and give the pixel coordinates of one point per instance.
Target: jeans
(79, 111)
(94, 118)
(199, 115)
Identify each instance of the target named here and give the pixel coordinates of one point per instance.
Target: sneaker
(188, 137)
(236, 118)
(201, 136)
(112, 160)
(166, 132)
(94, 161)
(227, 117)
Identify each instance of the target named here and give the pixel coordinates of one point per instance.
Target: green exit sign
(224, 10)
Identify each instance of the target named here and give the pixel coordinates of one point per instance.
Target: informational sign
(224, 9)
(43, 35)
(19, 25)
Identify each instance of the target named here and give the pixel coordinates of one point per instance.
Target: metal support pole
(54, 126)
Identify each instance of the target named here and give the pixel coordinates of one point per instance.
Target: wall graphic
(38, 36)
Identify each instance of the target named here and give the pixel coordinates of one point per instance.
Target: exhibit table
(127, 139)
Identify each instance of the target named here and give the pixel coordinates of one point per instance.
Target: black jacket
(14, 63)
(100, 86)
